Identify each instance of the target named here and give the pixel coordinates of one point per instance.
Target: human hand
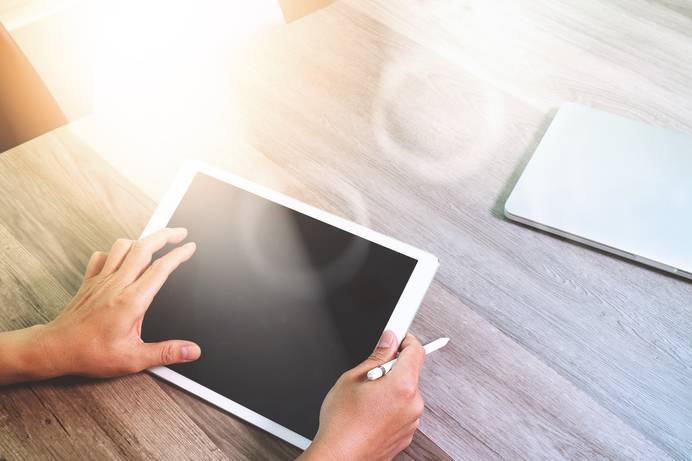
(372, 420)
(99, 332)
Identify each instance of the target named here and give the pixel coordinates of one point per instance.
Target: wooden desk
(416, 120)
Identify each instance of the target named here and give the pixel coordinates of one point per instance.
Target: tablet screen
(280, 303)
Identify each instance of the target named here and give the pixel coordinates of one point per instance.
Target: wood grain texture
(431, 114)
(617, 330)
(416, 119)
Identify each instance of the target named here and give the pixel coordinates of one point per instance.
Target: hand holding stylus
(372, 420)
(383, 369)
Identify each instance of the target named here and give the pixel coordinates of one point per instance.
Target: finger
(141, 252)
(116, 255)
(410, 359)
(384, 352)
(145, 287)
(168, 353)
(95, 264)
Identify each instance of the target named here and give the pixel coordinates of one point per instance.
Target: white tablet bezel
(399, 322)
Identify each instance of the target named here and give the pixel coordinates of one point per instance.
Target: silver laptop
(620, 185)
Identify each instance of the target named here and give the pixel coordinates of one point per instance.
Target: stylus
(383, 369)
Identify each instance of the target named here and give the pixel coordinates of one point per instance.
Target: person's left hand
(99, 332)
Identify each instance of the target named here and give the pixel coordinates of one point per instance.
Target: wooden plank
(28, 293)
(31, 430)
(629, 56)
(61, 203)
(423, 448)
(683, 7)
(489, 398)
(129, 417)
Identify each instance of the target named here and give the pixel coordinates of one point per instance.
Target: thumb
(169, 352)
(384, 352)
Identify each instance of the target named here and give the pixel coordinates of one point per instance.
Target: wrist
(50, 352)
(24, 355)
(41, 354)
(318, 451)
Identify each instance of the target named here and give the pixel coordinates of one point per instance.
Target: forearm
(23, 356)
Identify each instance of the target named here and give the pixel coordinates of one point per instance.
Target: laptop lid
(618, 184)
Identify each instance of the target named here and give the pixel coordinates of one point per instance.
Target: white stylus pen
(383, 369)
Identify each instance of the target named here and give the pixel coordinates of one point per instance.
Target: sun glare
(160, 68)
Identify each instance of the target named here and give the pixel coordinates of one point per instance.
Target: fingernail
(387, 340)
(188, 353)
(191, 245)
(180, 230)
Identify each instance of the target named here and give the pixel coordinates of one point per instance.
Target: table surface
(415, 120)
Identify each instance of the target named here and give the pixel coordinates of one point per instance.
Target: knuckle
(376, 356)
(156, 266)
(121, 242)
(136, 298)
(142, 251)
(140, 246)
(380, 355)
(159, 264)
(167, 354)
(418, 408)
(121, 300)
(407, 389)
(109, 283)
(98, 281)
(345, 376)
(127, 298)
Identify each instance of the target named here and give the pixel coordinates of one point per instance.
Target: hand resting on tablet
(98, 334)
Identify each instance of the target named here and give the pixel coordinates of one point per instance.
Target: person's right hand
(372, 420)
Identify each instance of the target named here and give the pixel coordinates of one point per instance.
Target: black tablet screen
(280, 303)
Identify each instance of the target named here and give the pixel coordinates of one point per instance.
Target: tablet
(282, 298)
